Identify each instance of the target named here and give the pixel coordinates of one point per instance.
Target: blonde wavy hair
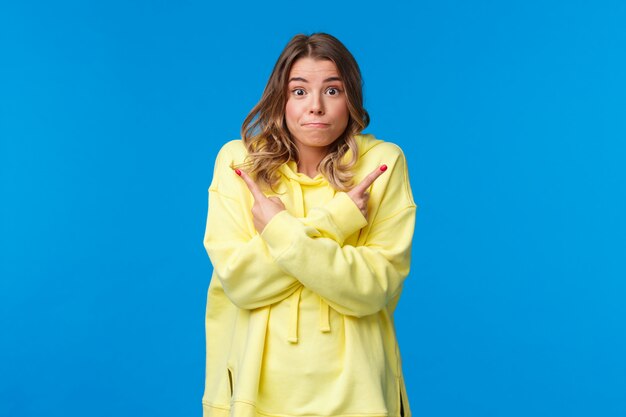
(264, 132)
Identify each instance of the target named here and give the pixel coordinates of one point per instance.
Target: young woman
(309, 231)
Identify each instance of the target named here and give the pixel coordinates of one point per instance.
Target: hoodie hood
(365, 142)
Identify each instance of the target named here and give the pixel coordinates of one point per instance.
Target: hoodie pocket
(403, 403)
(230, 382)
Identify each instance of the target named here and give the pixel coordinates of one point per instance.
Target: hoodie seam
(221, 194)
(219, 406)
(252, 403)
(265, 413)
(412, 206)
(407, 183)
(320, 415)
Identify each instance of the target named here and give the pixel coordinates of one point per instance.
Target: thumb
(278, 201)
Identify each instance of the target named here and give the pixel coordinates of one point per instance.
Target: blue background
(512, 117)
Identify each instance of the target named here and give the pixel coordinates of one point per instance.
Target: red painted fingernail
(238, 172)
(383, 168)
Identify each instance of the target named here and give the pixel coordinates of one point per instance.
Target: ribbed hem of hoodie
(245, 409)
(210, 410)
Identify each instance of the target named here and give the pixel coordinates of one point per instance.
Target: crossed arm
(258, 269)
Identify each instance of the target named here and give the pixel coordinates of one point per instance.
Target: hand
(359, 193)
(264, 208)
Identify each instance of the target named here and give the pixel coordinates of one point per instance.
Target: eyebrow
(306, 81)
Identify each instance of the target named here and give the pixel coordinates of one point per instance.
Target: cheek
(291, 113)
(343, 114)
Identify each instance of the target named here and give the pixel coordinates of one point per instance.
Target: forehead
(310, 69)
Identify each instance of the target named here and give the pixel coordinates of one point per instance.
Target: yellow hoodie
(299, 318)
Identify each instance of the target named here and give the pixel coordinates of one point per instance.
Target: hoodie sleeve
(354, 280)
(250, 276)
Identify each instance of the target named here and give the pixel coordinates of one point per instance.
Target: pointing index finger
(370, 178)
(252, 186)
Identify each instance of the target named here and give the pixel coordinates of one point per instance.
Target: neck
(310, 159)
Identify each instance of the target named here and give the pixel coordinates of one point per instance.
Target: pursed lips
(316, 124)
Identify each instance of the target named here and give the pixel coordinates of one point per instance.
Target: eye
(333, 91)
(298, 91)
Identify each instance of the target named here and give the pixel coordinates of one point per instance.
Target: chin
(321, 140)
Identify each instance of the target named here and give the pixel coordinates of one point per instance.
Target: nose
(317, 106)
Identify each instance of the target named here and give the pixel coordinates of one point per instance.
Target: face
(317, 110)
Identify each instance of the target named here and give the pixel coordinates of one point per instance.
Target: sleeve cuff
(345, 214)
(279, 233)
